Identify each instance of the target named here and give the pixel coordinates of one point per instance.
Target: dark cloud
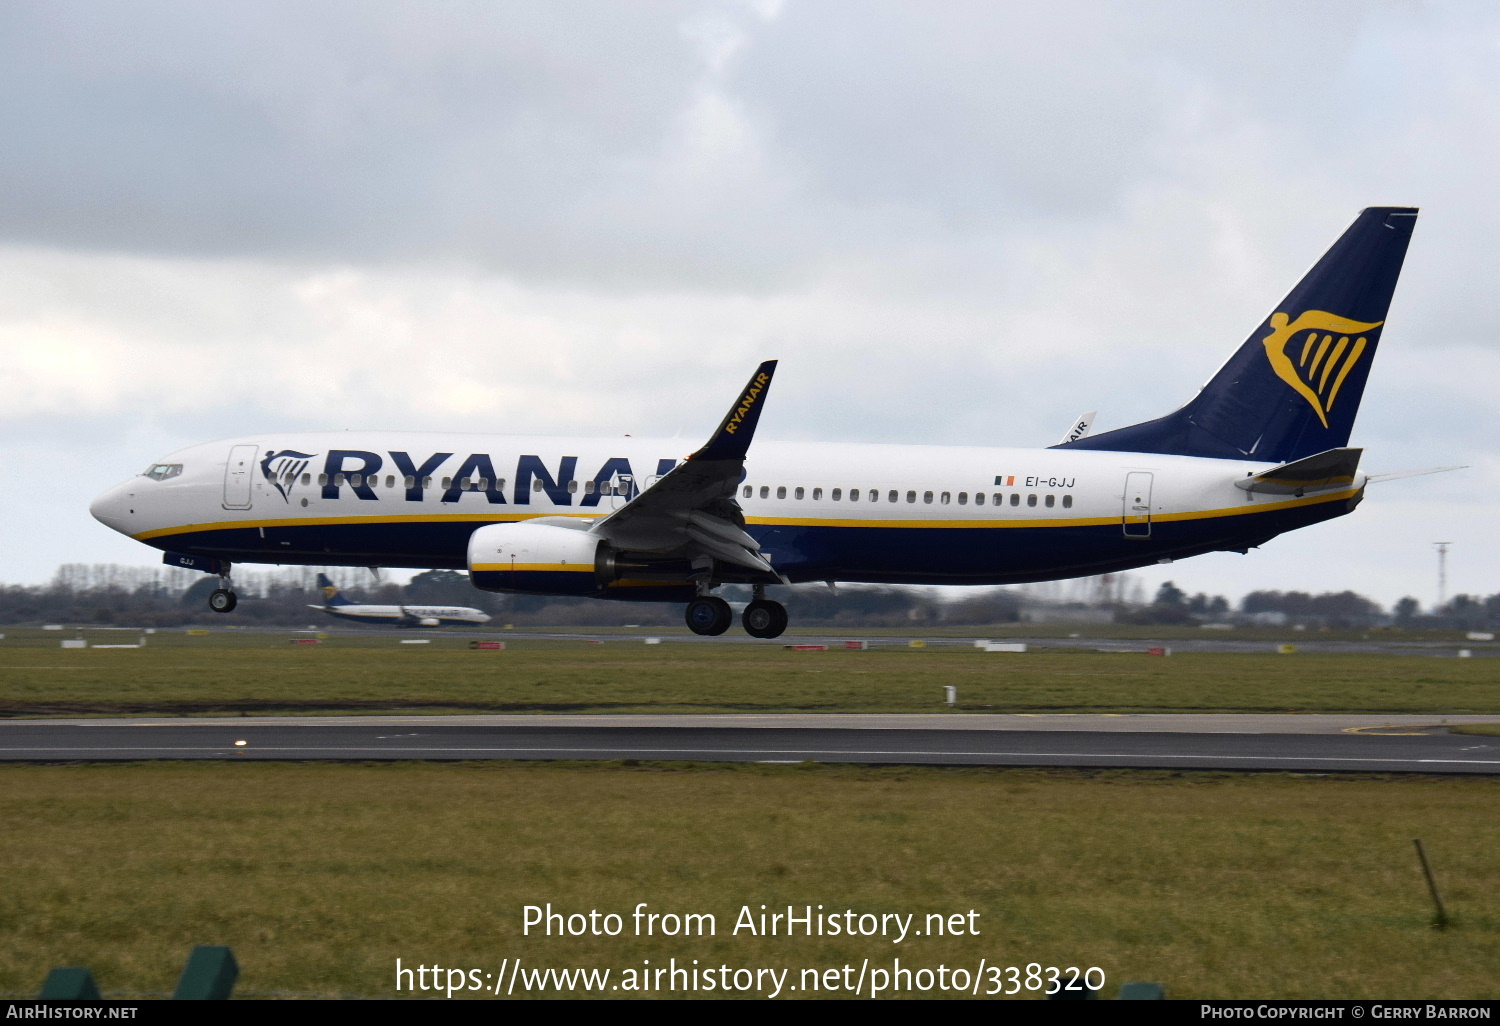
(324, 129)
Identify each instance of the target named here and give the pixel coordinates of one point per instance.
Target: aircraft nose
(107, 508)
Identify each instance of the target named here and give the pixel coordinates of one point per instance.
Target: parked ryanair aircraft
(335, 604)
(1260, 450)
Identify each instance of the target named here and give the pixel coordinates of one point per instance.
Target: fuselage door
(239, 476)
(1136, 514)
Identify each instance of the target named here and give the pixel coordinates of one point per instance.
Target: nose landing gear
(223, 600)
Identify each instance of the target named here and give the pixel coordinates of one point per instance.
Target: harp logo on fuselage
(283, 468)
(1315, 353)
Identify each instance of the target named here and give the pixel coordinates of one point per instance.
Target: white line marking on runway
(805, 753)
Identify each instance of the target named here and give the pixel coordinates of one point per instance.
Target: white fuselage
(406, 616)
(820, 511)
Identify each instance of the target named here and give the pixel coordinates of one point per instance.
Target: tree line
(109, 594)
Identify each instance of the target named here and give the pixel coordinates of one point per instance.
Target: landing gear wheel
(764, 619)
(222, 601)
(709, 615)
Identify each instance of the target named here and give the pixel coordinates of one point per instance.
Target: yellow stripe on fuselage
(495, 518)
(415, 518)
(533, 568)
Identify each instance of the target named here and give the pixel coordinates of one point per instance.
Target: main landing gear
(707, 614)
(762, 618)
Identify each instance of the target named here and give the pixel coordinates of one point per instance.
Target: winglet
(732, 440)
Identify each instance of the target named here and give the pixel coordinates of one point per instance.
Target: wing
(691, 509)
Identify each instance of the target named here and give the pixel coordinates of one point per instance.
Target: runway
(1386, 746)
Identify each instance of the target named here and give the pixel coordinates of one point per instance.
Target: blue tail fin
(1293, 388)
(331, 596)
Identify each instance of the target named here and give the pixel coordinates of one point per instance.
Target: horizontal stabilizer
(1332, 469)
(1397, 475)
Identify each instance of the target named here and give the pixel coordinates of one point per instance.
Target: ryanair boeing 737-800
(1262, 449)
(334, 604)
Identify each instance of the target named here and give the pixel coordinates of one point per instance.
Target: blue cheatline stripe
(802, 551)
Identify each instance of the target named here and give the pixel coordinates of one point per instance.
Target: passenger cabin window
(427, 482)
(1031, 500)
(927, 497)
(1050, 500)
(837, 494)
(798, 492)
(390, 480)
(447, 483)
(322, 479)
(162, 471)
(781, 491)
(945, 498)
(912, 496)
(536, 484)
(1067, 502)
(306, 479)
(747, 492)
(963, 498)
(572, 487)
(589, 487)
(854, 495)
(409, 481)
(817, 493)
(356, 480)
(765, 491)
(978, 498)
(338, 480)
(1015, 498)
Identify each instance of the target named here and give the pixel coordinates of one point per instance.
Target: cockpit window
(162, 471)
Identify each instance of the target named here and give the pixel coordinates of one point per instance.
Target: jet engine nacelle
(429, 621)
(541, 558)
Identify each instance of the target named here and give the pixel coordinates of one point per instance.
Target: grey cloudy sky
(955, 223)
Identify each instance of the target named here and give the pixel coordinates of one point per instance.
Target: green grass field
(321, 876)
(232, 672)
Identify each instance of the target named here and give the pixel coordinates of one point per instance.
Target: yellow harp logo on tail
(1315, 353)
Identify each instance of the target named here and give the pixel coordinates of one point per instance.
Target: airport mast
(1442, 551)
